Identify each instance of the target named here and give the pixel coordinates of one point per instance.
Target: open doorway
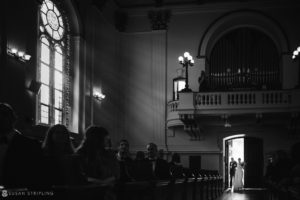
(250, 151)
(235, 152)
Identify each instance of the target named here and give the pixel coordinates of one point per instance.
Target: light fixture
(227, 124)
(98, 95)
(294, 57)
(186, 61)
(296, 52)
(20, 55)
(226, 121)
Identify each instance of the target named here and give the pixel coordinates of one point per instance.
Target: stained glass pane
(45, 74)
(44, 8)
(44, 18)
(45, 41)
(49, 30)
(58, 99)
(44, 98)
(58, 61)
(58, 80)
(42, 29)
(58, 49)
(61, 21)
(56, 35)
(44, 114)
(56, 11)
(61, 31)
(45, 53)
(49, 4)
(57, 116)
(52, 20)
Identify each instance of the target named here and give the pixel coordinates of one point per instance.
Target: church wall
(21, 32)
(135, 70)
(185, 29)
(102, 70)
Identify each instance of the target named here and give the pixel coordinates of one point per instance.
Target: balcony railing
(239, 102)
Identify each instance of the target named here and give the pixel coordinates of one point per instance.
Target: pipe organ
(244, 59)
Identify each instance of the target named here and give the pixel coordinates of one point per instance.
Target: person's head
(124, 146)
(161, 154)
(239, 160)
(57, 141)
(140, 155)
(7, 118)
(96, 140)
(232, 159)
(152, 150)
(176, 158)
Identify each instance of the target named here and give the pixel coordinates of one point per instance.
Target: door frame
(224, 151)
(224, 154)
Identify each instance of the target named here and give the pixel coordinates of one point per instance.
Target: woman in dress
(239, 176)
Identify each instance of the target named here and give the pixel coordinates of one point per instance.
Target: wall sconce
(296, 53)
(20, 55)
(98, 96)
(294, 57)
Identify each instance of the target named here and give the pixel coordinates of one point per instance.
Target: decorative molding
(192, 127)
(159, 19)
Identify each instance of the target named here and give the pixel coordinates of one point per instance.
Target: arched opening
(250, 151)
(244, 58)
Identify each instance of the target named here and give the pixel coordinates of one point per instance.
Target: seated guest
(176, 168)
(125, 161)
(161, 154)
(293, 176)
(141, 169)
(62, 164)
(99, 164)
(160, 167)
(282, 165)
(20, 156)
(175, 161)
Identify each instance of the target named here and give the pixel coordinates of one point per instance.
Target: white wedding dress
(238, 178)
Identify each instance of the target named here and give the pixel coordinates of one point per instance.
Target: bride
(239, 176)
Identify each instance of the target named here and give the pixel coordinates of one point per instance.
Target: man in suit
(125, 161)
(20, 157)
(232, 168)
(160, 167)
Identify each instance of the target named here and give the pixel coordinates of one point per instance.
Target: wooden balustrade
(250, 101)
(232, 102)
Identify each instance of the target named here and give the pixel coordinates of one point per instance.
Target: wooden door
(253, 150)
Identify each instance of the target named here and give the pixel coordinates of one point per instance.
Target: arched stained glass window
(52, 20)
(53, 105)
